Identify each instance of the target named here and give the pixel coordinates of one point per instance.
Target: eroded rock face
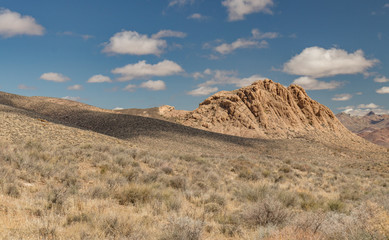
(264, 109)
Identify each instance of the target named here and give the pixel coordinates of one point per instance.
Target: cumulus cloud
(224, 77)
(383, 90)
(133, 43)
(168, 33)
(237, 9)
(259, 35)
(197, 16)
(76, 87)
(117, 108)
(13, 23)
(99, 79)
(180, 2)
(226, 48)
(201, 91)
(381, 79)
(309, 83)
(319, 62)
(157, 85)
(129, 88)
(72, 98)
(370, 106)
(25, 87)
(142, 70)
(54, 77)
(342, 97)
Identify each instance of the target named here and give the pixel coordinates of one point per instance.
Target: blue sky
(146, 53)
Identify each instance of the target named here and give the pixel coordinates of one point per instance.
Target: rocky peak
(264, 109)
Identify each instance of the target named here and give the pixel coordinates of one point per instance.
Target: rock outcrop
(265, 109)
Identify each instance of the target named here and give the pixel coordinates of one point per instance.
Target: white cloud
(342, 97)
(99, 79)
(320, 62)
(54, 77)
(25, 87)
(309, 83)
(142, 70)
(269, 35)
(129, 88)
(370, 106)
(248, 81)
(76, 87)
(72, 98)
(157, 85)
(223, 77)
(13, 23)
(118, 108)
(69, 33)
(168, 33)
(383, 90)
(197, 16)
(382, 79)
(197, 75)
(386, 5)
(133, 43)
(201, 91)
(180, 2)
(237, 9)
(226, 48)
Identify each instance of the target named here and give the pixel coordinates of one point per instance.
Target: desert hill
(373, 127)
(73, 171)
(265, 110)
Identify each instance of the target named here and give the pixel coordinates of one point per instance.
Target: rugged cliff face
(264, 109)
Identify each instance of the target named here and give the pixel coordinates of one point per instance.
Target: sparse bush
(12, 190)
(268, 211)
(183, 228)
(336, 205)
(178, 182)
(134, 193)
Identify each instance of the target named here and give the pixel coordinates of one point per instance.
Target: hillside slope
(372, 127)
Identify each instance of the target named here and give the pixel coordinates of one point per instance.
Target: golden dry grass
(61, 182)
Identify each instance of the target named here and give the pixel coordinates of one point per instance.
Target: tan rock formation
(265, 109)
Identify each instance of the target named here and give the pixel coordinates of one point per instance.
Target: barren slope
(372, 127)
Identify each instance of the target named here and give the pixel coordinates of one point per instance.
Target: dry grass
(58, 182)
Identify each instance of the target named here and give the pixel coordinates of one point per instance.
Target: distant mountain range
(372, 127)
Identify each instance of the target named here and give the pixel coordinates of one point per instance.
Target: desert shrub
(151, 177)
(173, 203)
(289, 199)
(56, 198)
(12, 190)
(131, 175)
(335, 205)
(182, 228)
(134, 193)
(253, 193)
(268, 211)
(212, 208)
(308, 201)
(99, 192)
(78, 218)
(178, 182)
(116, 227)
(231, 230)
(167, 170)
(248, 174)
(285, 169)
(217, 199)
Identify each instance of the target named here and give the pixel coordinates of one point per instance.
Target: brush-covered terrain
(70, 171)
